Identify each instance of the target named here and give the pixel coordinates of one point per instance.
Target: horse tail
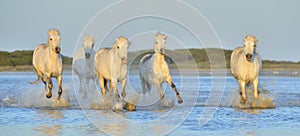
(36, 81)
(39, 77)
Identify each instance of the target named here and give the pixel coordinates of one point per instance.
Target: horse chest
(248, 71)
(54, 68)
(160, 72)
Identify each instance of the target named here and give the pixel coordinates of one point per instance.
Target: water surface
(25, 110)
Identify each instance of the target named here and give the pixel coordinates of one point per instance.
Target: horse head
(88, 44)
(54, 40)
(160, 43)
(249, 46)
(121, 48)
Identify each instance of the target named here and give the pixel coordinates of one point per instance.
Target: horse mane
(44, 45)
(104, 50)
(146, 58)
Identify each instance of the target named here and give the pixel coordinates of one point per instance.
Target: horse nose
(87, 55)
(57, 49)
(248, 56)
(124, 60)
(162, 50)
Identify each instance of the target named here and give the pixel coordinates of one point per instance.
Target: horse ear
(165, 37)
(255, 40)
(247, 36)
(155, 36)
(53, 32)
(117, 40)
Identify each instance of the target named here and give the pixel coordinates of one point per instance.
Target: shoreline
(184, 72)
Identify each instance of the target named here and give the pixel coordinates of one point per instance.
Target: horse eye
(156, 42)
(118, 47)
(50, 39)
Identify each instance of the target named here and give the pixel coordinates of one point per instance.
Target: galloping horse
(47, 62)
(83, 63)
(246, 64)
(155, 70)
(110, 64)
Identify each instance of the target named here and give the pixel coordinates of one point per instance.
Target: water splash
(36, 99)
(91, 98)
(264, 100)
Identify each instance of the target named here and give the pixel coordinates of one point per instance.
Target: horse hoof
(129, 107)
(180, 101)
(58, 98)
(48, 96)
(242, 101)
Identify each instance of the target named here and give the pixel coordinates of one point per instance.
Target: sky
(24, 24)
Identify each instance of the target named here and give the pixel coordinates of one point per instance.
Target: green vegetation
(21, 59)
(182, 58)
(191, 58)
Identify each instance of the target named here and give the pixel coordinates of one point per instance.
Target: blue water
(25, 110)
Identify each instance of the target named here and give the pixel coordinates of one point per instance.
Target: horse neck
(115, 58)
(159, 58)
(54, 57)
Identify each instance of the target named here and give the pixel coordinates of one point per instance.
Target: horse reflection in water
(52, 129)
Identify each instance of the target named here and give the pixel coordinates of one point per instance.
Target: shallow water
(25, 110)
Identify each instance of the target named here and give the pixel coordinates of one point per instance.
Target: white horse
(110, 64)
(155, 70)
(47, 62)
(83, 63)
(246, 64)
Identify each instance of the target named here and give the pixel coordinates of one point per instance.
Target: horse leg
(148, 86)
(114, 86)
(50, 86)
(111, 90)
(179, 99)
(102, 85)
(143, 84)
(123, 88)
(85, 87)
(161, 94)
(255, 84)
(44, 79)
(144, 87)
(117, 105)
(81, 86)
(59, 81)
(242, 88)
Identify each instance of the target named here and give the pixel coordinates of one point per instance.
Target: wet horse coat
(245, 65)
(83, 63)
(155, 70)
(110, 64)
(47, 62)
